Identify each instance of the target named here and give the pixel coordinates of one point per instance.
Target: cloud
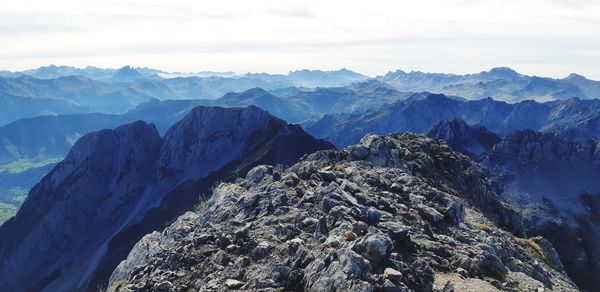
(267, 35)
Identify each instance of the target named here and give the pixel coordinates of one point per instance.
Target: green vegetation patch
(10, 201)
(7, 211)
(22, 165)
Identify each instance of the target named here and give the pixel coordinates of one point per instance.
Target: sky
(546, 38)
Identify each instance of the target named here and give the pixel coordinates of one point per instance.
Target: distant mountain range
(500, 83)
(57, 90)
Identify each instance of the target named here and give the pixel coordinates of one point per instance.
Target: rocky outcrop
(115, 186)
(472, 141)
(393, 213)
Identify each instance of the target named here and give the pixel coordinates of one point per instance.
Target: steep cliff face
(397, 213)
(554, 181)
(72, 211)
(117, 185)
(546, 164)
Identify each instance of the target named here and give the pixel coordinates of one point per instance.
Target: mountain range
(116, 175)
(500, 83)
(64, 90)
(573, 118)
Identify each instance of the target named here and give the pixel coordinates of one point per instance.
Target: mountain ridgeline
(115, 186)
(56, 90)
(501, 83)
(572, 118)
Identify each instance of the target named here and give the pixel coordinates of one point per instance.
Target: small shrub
(538, 250)
(483, 226)
(338, 167)
(517, 284)
(200, 203)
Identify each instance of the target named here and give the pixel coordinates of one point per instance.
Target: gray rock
(341, 270)
(420, 276)
(372, 215)
(257, 173)
(233, 284)
(430, 214)
(455, 212)
(221, 258)
(358, 152)
(394, 275)
(164, 286)
(375, 246)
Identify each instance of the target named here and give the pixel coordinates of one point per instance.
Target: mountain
(77, 92)
(17, 107)
(558, 166)
(589, 87)
(126, 74)
(472, 141)
(500, 83)
(394, 213)
(357, 97)
(46, 137)
(133, 182)
(299, 78)
(90, 72)
(554, 181)
(30, 147)
(573, 118)
(318, 78)
(53, 71)
(286, 109)
(310, 78)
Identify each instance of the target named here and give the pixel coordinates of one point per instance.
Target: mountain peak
(472, 141)
(502, 72)
(575, 77)
(126, 73)
(437, 97)
(247, 95)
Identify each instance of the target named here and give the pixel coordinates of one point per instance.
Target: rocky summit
(392, 213)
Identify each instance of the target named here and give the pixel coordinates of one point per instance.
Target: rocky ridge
(393, 213)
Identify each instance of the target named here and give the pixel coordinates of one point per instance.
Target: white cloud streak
(552, 37)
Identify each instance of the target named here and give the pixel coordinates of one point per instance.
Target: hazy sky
(548, 38)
